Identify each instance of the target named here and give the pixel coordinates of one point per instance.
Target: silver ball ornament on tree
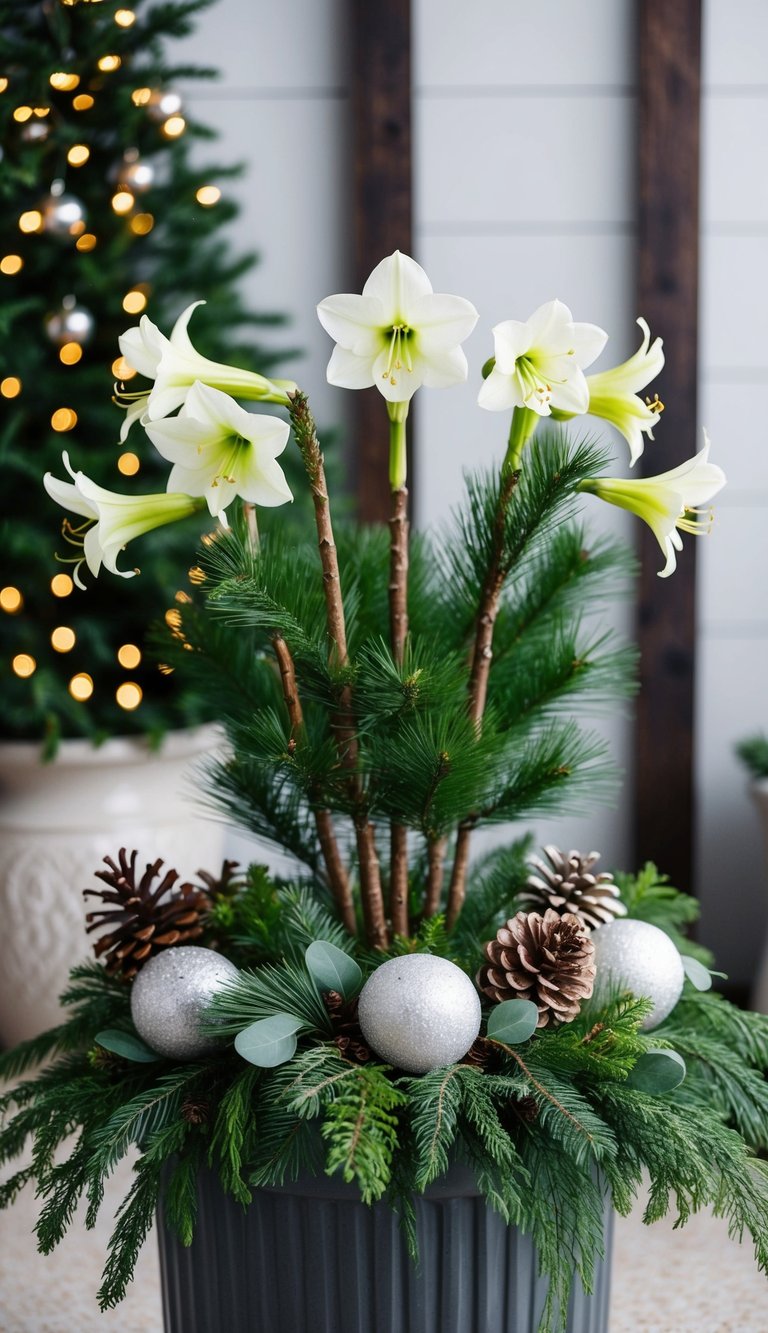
(163, 104)
(71, 323)
(63, 213)
(638, 957)
(169, 998)
(133, 173)
(35, 131)
(419, 1012)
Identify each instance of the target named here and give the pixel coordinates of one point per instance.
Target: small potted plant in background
(753, 752)
(399, 1085)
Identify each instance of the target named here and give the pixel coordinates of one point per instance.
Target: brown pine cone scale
(568, 884)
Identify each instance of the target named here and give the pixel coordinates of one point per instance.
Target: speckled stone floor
(664, 1281)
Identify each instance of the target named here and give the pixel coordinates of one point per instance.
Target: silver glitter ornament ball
(636, 956)
(419, 1012)
(170, 995)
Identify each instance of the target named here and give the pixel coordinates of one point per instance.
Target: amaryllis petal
(543, 360)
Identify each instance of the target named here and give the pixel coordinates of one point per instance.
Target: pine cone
(548, 959)
(196, 1110)
(568, 885)
(347, 1034)
(223, 885)
(143, 918)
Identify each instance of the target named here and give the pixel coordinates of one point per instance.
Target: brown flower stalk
(305, 434)
(482, 656)
(334, 864)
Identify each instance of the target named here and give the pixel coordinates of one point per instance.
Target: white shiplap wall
(732, 651)
(524, 135)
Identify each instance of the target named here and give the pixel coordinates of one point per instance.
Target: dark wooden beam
(381, 109)
(669, 47)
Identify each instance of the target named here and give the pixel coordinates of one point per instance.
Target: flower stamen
(654, 404)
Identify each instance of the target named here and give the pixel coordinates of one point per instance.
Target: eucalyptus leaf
(126, 1044)
(512, 1021)
(657, 1071)
(269, 1041)
(333, 969)
(698, 975)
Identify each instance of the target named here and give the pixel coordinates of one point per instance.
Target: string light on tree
(11, 264)
(125, 18)
(3, 84)
(86, 242)
(63, 82)
(128, 464)
(135, 301)
(31, 221)
(161, 104)
(208, 195)
(122, 369)
(64, 418)
(132, 174)
(61, 585)
(81, 686)
(78, 155)
(11, 600)
(174, 126)
(122, 201)
(109, 63)
(10, 387)
(141, 96)
(63, 639)
(70, 354)
(142, 224)
(129, 695)
(83, 102)
(23, 665)
(128, 655)
(22, 113)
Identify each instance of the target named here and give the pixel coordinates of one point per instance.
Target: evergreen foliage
(184, 256)
(547, 1126)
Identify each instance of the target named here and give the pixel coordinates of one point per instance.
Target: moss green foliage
(549, 1127)
(186, 256)
(753, 752)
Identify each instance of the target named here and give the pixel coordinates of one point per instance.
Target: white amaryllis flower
(399, 334)
(220, 451)
(540, 364)
(175, 366)
(613, 394)
(670, 503)
(111, 520)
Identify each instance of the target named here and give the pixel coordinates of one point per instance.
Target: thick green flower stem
(338, 878)
(523, 426)
(482, 657)
(398, 628)
(305, 434)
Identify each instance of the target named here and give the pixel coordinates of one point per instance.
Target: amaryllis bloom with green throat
(614, 394)
(175, 365)
(221, 452)
(111, 520)
(539, 363)
(673, 502)
(399, 334)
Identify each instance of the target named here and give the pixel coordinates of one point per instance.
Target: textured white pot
(57, 822)
(759, 997)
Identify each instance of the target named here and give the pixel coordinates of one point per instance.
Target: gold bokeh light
(31, 221)
(108, 64)
(10, 387)
(70, 354)
(129, 695)
(11, 600)
(134, 302)
(174, 126)
(78, 155)
(10, 264)
(61, 585)
(23, 665)
(142, 224)
(63, 639)
(81, 686)
(208, 195)
(64, 418)
(86, 242)
(63, 82)
(122, 369)
(83, 102)
(129, 656)
(123, 201)
(128, 464)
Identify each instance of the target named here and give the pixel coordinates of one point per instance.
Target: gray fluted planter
(311, 1258)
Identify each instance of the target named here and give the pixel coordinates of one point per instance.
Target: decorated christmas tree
(107, 212)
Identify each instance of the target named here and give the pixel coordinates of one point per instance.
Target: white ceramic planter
(759, 997)
(57, 822)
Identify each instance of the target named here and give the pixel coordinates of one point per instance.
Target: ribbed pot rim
(82, 753)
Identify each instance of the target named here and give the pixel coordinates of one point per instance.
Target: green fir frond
(270, 989)
(360, 1130)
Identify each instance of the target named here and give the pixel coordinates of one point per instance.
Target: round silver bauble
(63, 213)
(163, 104)
(71, 323)
(35, 131)
(170, 995)
(636, 956)
(419, 1012)
(133, 173)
